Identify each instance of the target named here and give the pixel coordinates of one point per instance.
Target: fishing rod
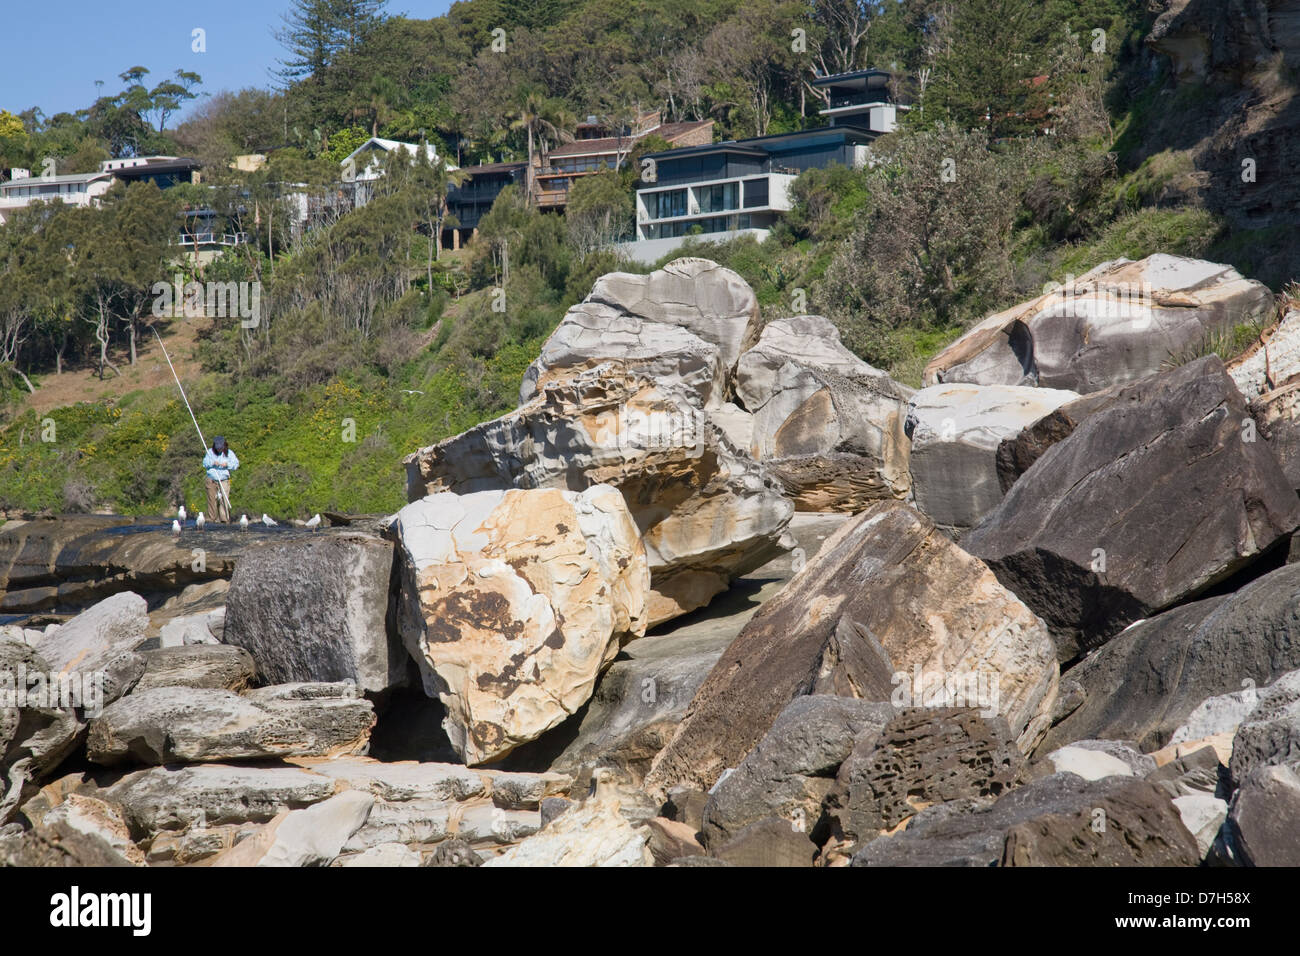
(220, 491)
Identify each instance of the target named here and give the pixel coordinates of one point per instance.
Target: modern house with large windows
(723, 190)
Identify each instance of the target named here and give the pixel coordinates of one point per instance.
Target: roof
(388, 145)
(615, 144)
(762, 145)
(865, 78)
(56, 180)
(489, 168)
(179, 164)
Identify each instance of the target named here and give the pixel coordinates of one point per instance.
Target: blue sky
(73, 43)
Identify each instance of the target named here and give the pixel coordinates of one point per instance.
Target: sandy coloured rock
(514, 602)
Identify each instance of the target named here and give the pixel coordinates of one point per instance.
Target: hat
(218, 440)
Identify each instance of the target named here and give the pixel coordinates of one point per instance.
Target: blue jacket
(219, 467)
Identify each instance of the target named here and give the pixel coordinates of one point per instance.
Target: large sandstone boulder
(1060, 820)
(955, 431)
(707, 512)
(829, 425)
(683, 325)
(195, 725)
(1116, 323)
(1147, 682)
(514, 601)
(887, 599)
(1149, 501)
(318, 609)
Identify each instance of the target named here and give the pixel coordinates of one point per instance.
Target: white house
(364, 163)
(80, 189)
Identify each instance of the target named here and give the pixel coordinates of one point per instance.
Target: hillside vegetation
(1008, 172)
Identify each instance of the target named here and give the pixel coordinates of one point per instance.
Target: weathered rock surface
(1277, 413)
(319, 609)
(707, 512)
(593, 333)
(101, 641)
(1260, 829)
(648, 321)
(79, 830)
(594, 833)
(312, 836)
(1203, 815)
(829, 631)
(1088, 764)
(827, 424)
(1116, 323)
(955, 431)
(790, 771)
(514, 601)
(1050, 822)
(212, 666)
(920, 758)
(1270, 734)
(638, 704)
(385, 855)
(177, 798)
(37, 730)
(71, 562)
(1151, 500)
(192, 725)
(1147, 681)
(773, 841)
(1268, 363)
(1017, 452)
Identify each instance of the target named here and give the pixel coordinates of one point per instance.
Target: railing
(210, 239)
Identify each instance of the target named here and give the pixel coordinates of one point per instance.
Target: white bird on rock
(243, 522)
(268, 520)
(313, 522)
(176, 528)
(181, 514)
(200, 521)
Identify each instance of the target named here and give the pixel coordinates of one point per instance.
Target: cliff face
(1232, 107)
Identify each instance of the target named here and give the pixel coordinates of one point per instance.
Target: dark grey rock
(1061, 820)
(1151, 500)
(1145, 682)
(790, 771)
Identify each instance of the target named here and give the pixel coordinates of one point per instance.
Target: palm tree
(541, 117)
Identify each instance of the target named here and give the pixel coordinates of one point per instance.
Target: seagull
(181, 513)
(243, 522)
(176, 528)
(314, 522)
(268, 520)
(200, 521)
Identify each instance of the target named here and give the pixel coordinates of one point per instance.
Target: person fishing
(219, 461)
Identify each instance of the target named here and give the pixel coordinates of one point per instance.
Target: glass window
(672, 203)
(718, 198)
